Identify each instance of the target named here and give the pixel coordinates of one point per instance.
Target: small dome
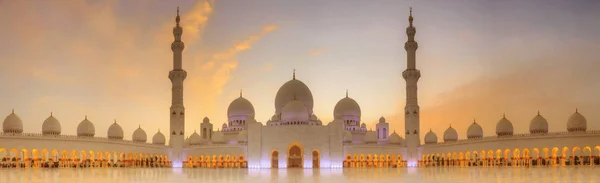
(224, 125)
(12, 124)
(159, 138)
(243, 136)
(576, 123)
(313, 117)
(51, 126)
(139, 135)
(240, 107)
(86, 128)
(347, 136)
(395, 138)
(430, 137)
(363, 125)
(346, 107)
(205, 120)
(474, 131)
(538, 124)
(381, 119)
(115, 131)
(295, 110)
(218, 137)
(370, 137)
(290, 89)
(274, 118)
(504, 127)
(450, 135)
(195, 139)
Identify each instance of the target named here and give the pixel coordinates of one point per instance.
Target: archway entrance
(294, 157)
(274, 159)
(316, 159)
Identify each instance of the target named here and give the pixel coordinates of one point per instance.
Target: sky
(110, 60)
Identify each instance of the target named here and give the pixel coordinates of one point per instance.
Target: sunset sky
(478, 59)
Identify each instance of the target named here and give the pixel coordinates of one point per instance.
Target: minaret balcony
(411, 73)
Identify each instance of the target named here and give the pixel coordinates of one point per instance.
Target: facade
(295, 137)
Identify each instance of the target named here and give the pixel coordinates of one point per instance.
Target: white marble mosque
(295, 137)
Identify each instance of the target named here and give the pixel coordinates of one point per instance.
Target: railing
(74, 137)
(524, 135)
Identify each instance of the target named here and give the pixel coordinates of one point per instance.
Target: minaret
(411, 110)
(177, 75)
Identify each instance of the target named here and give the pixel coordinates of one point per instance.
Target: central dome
(288, 90)
(347, 107)
(240, 107)
(295, 110)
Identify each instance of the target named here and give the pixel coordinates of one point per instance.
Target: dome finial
(429, 129)
(504, 115)
(139, 126)
(474, 121)
(85, 116)
(294, 74)
(576, 110)
(115, 121)
(240, 93)
(450, 125)
(50, 113)
(159, 130)
(346, 93)
(177, 18)
(538, 112)
(13, 111)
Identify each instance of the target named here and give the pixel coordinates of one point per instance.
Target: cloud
(208, 79)
(316, 52)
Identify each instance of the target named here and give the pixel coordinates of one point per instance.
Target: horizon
(110, 60)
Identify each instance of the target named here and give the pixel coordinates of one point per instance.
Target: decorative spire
(429, 129)
(86, 117)
(346, 93)
(240, 93)
(115, 121)
(139, 126)
(159, 130)
(474, 120)
(294, 75)
(538, 112)
(576, 110)
(450, 125)
(13, 111)
(50, 113)
(504, 115)
(410, 17)
(177, 18)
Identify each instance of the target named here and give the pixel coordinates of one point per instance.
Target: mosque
(295, 137)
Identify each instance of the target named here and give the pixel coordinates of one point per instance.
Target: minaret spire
(410, 17)
(177, 18)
